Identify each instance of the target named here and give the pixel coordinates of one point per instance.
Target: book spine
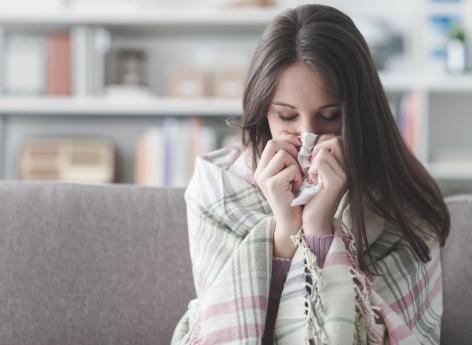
(182, 154)
(59, 65)
(80, 61)
(158, 153)
(101, 44)
(140, 162)
(25, 65)
(169, 126)
(2, 59)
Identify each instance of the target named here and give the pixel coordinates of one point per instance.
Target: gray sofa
(109, 264)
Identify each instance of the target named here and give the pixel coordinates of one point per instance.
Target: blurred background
(130, 91)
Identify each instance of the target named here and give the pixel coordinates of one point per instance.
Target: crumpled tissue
(307, 190)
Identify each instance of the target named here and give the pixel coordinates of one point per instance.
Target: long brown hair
(380, 167)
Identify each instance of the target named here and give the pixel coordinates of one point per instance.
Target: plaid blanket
(231, 229)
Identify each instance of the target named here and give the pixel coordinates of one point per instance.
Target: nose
(308, 126)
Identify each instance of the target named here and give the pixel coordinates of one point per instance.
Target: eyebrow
(293, 107)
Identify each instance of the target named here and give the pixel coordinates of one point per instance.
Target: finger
(334, 145)
(272, 147)
(325, 174)
(288, 175)
(329, 140)
(292, 138)
(280, 161)
(325, 156)
(297, 184)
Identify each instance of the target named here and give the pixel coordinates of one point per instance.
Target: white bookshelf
(136, 27)
(161, 106)
(103, 106)
(135, 17)
(457, 171)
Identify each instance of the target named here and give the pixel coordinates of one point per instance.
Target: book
(409, 119)
(165, 154)
(89, 48)
(149, 156)
(100, 46)
(182, 144)
(25, 65)
(155, 156)
(80, 37)
(171, 136)
(141, 166)
(2, 63)
(58, 65)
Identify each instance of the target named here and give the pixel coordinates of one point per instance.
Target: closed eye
(333, 117)
(286, 118)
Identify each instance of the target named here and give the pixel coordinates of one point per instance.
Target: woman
(359, 262)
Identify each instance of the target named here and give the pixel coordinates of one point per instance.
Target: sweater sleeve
(320, 246)
(280, 267)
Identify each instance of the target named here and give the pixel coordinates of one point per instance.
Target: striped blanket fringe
(314, 283)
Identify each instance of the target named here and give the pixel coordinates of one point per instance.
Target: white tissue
(307, 190)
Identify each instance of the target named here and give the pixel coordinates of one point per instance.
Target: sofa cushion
(92, 264)
(456, 258)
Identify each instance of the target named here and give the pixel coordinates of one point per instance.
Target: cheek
(338, 128)
(276, 128)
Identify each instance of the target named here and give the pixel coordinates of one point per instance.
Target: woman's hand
(279, 177)
(327, 165)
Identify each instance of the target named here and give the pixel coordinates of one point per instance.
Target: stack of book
(165, 155)
(54, 64)
(35, 65)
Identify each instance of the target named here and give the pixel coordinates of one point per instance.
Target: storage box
(88, 160)
(188, 82)
(228, 83)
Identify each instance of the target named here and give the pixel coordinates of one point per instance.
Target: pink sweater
(280, 267)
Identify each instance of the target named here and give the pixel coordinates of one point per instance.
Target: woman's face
(303, 103)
